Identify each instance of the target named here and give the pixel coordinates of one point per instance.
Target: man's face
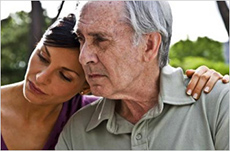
(111, 62)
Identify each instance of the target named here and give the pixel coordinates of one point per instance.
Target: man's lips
(35, 89)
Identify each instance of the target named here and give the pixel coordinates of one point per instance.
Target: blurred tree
(37, 23)
(20, 33)
(202, 47)
(59, 11)
(15, 38)
(195, 62)
(204, 51)
(14, 46)
(224, 12)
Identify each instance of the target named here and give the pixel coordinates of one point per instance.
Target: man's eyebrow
(95, 34)
(98, 34)
(47, 51)
(71, 71)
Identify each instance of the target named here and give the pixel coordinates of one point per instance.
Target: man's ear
(153, 42)
(86, 89)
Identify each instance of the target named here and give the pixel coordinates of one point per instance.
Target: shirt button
(138, 136)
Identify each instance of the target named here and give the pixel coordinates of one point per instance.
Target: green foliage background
(15, 49)
(204, 51)
(15, 34)
(14, 45)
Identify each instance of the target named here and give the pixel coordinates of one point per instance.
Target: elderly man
(124, 53)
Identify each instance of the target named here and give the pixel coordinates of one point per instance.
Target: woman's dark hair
(61, 33)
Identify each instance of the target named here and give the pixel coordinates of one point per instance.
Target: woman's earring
(85, 91)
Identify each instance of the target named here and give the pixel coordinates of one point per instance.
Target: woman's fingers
(195, 82)
(203, 78)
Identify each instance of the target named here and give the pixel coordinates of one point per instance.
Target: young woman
(34, 111)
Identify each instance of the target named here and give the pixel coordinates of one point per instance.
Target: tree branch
(59, 11)
(224, 12)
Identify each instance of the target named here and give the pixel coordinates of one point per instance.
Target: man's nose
(88, 55)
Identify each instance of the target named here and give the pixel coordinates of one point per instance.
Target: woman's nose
(43, 77)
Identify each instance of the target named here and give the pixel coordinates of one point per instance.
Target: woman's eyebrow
(67, 69)
(47, 51)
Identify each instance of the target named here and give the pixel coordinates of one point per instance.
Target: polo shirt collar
(173, 87)
(172, 91)
(104, 110)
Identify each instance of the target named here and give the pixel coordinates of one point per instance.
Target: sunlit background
(192, 19)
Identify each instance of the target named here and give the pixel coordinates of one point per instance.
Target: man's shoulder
(83, 116)
(220, 86)
(75, 128)
(215, 104)
(218, 95)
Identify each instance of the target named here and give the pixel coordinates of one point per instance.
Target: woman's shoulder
(10, 91)
(11, 86)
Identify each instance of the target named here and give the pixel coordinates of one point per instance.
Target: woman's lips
(35, 89)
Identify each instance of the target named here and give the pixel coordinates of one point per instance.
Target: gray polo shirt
(177, 122)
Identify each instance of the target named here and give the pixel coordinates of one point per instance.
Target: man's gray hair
(151, 16)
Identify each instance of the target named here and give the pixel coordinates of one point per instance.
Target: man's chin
(97, 91)
(100, 92)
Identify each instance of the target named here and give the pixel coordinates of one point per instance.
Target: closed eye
(99, 39)
(64, 77)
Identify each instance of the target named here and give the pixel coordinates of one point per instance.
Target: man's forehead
(99, 14)
(102, 8)
(101, 4)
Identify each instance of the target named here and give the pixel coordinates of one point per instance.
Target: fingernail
(206, 89)
(189, 92)
(225, 79)
(195, 96)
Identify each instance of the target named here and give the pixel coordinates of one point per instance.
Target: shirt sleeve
(222, 124)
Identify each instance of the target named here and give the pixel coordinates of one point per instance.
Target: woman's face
(54, 75)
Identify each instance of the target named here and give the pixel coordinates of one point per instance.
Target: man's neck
(133, 106)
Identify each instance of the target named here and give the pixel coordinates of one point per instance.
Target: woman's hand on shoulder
(203, 79)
